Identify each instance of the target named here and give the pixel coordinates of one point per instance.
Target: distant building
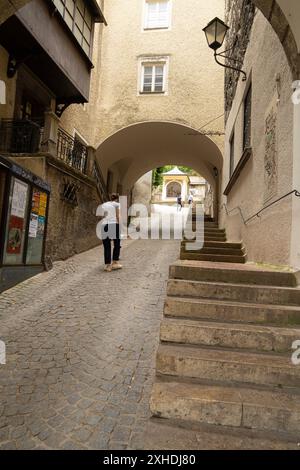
(178, 183)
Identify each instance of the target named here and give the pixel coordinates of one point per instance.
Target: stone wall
(71, 228)
(142, 190)
(268, 174)
(239, 17)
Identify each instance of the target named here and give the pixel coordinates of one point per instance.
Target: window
(157, 14)
(231, 165)
(153, 77)
(79, 20)
(247, 119)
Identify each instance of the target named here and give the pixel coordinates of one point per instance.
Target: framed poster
(33, 225)
(15, 234)
(19, 199)
(36, 227)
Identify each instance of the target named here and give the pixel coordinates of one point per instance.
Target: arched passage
(284, 16)
(135, 150)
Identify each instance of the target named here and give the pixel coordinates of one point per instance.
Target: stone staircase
(224, 359)
(215, 247)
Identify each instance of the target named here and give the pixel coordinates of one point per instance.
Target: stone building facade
(192, 98)
(260, 163)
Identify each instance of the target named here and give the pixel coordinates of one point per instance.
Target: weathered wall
(9, 7)
(239, 16)
(71, 229)
(268, 174)
(195, 83)
(142, 190)
(7, 110)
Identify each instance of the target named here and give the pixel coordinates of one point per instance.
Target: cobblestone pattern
(81, 351)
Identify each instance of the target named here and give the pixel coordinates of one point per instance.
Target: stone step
(207, 238)
(226, 245)
(247, 274)
(209, 250)
(208, 231)
(236, 407)
(162, 434)
(227, 366)
(210, 236)
(234, 292)
(228, 335)
(219, 310)
(217, 258)
(217, 247)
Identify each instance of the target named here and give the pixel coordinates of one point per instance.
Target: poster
(15, 229)
(43, 204)
(35, 202)
(33, 226)
(41, 227)
(39, 203)
(19, 199)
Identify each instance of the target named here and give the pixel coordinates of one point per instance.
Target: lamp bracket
(229, 66)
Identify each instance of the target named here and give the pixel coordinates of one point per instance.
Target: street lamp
(215, 33)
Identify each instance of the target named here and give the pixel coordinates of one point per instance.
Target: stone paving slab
(81, 351)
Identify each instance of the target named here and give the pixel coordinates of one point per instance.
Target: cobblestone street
(80, 351)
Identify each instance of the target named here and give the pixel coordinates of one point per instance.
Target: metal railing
(21, 135)
(72, 151)
(257, 214)
(101, 186)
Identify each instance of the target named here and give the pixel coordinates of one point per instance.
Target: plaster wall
(195, 91)
(267, 238)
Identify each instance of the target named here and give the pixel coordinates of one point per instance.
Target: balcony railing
(20, 135)
(72, 151)
(101, 186)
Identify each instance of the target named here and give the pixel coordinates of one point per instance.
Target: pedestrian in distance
(179, 202)
(110, 231)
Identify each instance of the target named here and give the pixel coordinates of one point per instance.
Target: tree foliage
(157, 173)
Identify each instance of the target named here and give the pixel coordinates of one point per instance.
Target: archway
(137, 149)
(284, 17)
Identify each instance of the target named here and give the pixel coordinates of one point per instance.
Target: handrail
(246, 221)
(295, 191)
(228, 212)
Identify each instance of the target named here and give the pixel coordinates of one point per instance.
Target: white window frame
(145, 17)
(152, 61)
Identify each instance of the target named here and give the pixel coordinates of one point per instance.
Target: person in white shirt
(111, 232)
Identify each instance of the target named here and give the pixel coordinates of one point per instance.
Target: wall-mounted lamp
(215, 33)
(216, 171)
(12, 66)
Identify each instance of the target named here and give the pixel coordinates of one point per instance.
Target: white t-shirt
(110, 208)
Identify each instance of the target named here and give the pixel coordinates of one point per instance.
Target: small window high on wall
(153, 77)
(157, 14)
(247, 119)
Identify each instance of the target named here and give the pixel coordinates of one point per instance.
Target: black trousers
(107, 239)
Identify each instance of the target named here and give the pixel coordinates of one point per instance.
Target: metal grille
(247, 119)
(20, 135)
(100, 183)
(71, 151)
